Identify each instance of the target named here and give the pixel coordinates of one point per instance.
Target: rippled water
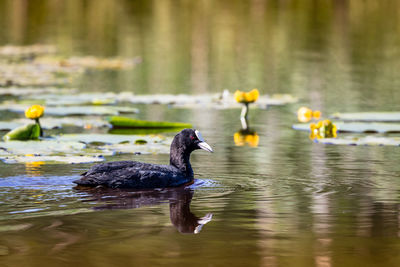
(287, 202)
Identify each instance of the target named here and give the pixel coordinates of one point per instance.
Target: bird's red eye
(192, 137)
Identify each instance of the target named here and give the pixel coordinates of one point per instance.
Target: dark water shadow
(179, 200)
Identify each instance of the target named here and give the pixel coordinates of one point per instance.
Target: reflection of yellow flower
(323, 129)
(246, 97)
(34, 112)
(305, 114)
(33, 168)
(241, 139)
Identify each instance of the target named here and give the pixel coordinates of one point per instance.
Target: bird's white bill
(205, 146)
(199, 136)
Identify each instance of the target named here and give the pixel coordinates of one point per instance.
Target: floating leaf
(368, 116)
(25, 132)
(42, 147)
(140, 142)
(358, 127)
(130, 131)
(73, 110)
(358, 141)
(29, 91)
(89, 62)
(109, 138)
(76, 99)
(124, 122)
(9, 125)
(69, 159)
(12, 51)
(224, 100)
(59, 122)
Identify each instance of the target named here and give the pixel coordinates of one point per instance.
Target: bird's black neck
(179, 158)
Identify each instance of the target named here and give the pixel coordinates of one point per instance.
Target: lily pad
(109, 138)
(224, 100)
(28, 91)
(73, 110)
(130, 131)
(368, 116)
(89, 62)
(42, 147)
(52, 151)
(12, 51)
(221, 101)
(9, 125)
(68, 159)
(359, 141)
(358, 127)
(124, 122)
(59, 122)
(123, 143)
(25, 132)
(74, 99)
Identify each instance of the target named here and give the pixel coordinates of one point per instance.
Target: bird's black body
(133, 174)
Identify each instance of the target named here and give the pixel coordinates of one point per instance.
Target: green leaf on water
(124, 122)
(361, 141)
(368, 116)
(357, 127)
(25, 132)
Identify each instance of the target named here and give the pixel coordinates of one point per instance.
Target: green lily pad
(357, 127)
(368, 116)
(361, 141)
(124, 122)
(24, 132)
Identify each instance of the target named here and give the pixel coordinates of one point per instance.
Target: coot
(133, 174)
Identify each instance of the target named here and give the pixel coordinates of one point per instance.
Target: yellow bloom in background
(246, 97)
(305, 114)
(316, 114)
(241, 139)
(34, 112)
(323, 129)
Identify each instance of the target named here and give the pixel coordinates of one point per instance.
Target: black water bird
(133, 174)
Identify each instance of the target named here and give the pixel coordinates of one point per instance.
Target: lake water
(286, 202)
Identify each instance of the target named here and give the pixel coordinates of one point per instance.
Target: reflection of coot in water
(133, 174)
(179, 203)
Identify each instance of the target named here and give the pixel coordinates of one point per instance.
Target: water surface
(287, 202)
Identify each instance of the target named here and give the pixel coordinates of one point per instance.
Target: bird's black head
(183, 144)
(188, 140)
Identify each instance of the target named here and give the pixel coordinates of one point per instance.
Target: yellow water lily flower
(246, 97)
(305, 114)
(34, 112)
(241, 139)
(323, 129)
